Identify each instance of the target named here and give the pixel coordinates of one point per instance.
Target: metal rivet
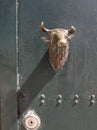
(59, 97)
(42, 102)
(92, 97)
(59, 102)
(75, 100)
(42, 97)
(92, 100)
(76, 96)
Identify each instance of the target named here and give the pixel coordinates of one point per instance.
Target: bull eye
(55, 38)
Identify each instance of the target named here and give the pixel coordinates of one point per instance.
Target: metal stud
(42, 99)
(92, 99)
(59, 97)
(75, 100)
(76, 96)
(42, 102)
(59, 100)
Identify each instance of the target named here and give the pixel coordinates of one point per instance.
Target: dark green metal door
(76, 84)
(8, 100)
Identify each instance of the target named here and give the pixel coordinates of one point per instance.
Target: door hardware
(31, 120)
(58, 42)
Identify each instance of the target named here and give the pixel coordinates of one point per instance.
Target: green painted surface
(79, 74)
(8, 111)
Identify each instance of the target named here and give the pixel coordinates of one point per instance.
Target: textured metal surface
(8, 111)
(79, 75)
(76, 83)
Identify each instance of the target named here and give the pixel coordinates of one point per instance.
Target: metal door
(8, 100)
(75, 85)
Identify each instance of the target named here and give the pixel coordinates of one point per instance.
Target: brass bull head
(58, 41)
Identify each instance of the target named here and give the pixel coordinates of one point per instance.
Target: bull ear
(45, 39)
(44, 29)
(72, 30)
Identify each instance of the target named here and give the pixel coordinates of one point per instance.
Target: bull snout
(62, 43)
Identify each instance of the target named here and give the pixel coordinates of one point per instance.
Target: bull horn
(43, 28)
(72, 30)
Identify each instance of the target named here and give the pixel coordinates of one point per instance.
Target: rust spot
(21, 95)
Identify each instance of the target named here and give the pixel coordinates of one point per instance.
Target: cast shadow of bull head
(58, 42)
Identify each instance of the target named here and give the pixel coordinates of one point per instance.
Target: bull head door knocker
(58, 41)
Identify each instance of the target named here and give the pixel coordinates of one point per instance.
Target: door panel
(78, 75)
(8, 101)
(36, 76)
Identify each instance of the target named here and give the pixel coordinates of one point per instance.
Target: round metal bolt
(76, 102)
(42, 102)
(31, 120)
(59, 102)
(92, 97)
(42, 97)
(76, 96)
(59, 97)
(92, 101)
